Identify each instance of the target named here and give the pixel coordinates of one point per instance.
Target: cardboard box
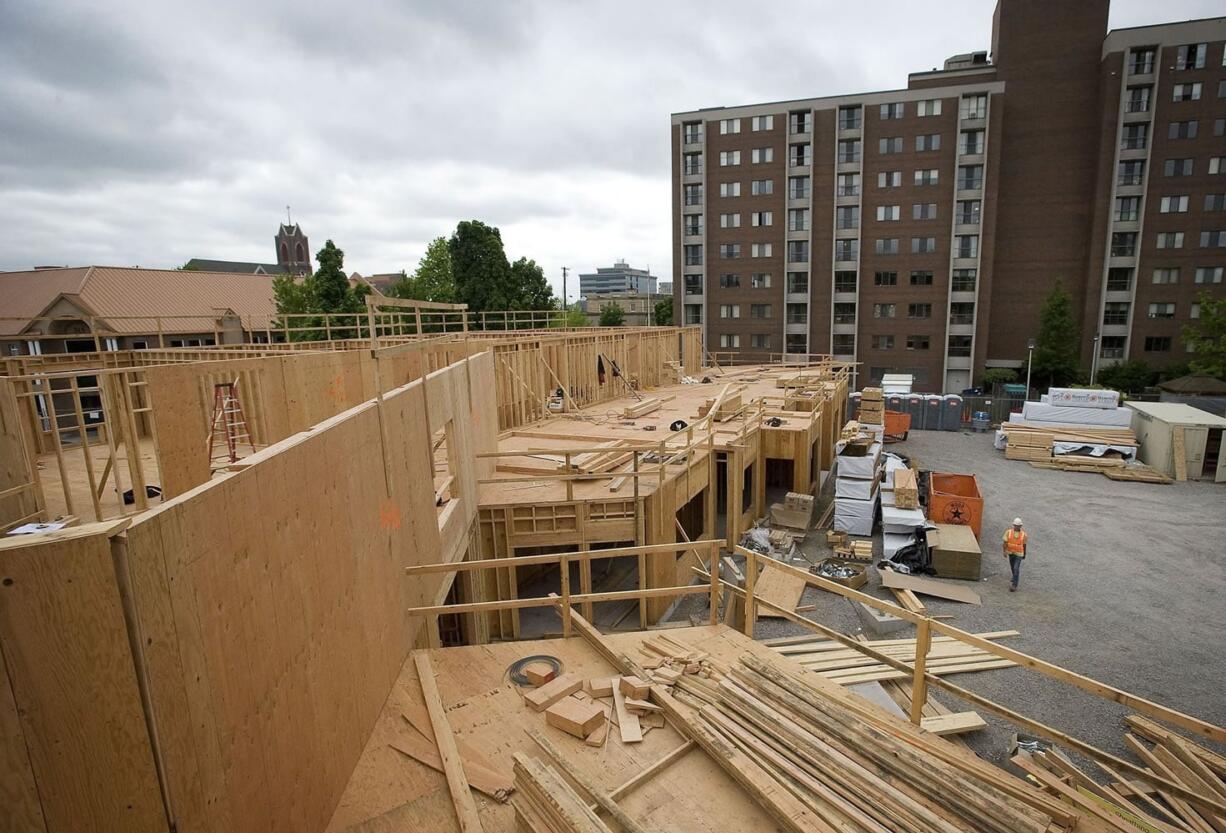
(855, 582)
(955, 552)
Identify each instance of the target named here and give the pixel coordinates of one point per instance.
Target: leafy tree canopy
(663, 313)
(1207, 336)
(325, 291)
(611, 315)
(1132, 376)
(1056, 355)
(433, 279)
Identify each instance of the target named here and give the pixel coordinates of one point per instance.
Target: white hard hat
(1017, 521)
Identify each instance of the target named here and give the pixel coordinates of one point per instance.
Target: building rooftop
(1178, 413)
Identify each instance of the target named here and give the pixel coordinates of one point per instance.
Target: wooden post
(751, 579)
(570, 484)
(919, 682)
(89, 459)
(564, 566)
(713, 569)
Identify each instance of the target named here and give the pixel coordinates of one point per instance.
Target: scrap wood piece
(457, 781)
(779, 588)
(627, 721)
(544, 801)
(575, 717)
(954, 723)
(480, 778)
(907, 599)
(474, 759)
(598, 795)
(542, 698)
(929, 587)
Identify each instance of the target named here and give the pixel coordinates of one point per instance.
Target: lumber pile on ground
(545, 803)
(1188, 793)
(847, 666)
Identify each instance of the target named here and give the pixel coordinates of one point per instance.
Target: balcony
(798, 193)
(957, 319)
(694, 138)
(692, 169)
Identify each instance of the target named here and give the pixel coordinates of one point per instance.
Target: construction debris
(848, 666)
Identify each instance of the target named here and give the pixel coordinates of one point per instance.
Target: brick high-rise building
(919, 230)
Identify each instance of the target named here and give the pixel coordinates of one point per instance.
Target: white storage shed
(1161, 426)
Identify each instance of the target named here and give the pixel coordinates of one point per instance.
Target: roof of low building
(1199, 384)
(1177, 413)
(128, 300)
(198, 264)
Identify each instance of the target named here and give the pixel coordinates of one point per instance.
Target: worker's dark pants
(1015, 567)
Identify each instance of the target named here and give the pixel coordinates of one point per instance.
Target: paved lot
(1124, 583)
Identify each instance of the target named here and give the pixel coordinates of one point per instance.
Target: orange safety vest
(1015, 541)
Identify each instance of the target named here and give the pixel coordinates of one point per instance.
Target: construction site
(421, 570)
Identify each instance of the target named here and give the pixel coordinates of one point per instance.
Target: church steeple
(293, 249)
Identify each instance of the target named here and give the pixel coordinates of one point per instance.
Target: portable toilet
(894, 402)
(932, 412)
(951, 412)
(915, 407)
(853, 406)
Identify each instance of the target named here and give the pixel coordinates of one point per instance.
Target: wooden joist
(457, 781)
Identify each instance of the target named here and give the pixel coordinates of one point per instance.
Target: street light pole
(1030, 345)
(1094, 359)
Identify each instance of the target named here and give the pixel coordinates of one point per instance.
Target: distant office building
(637, 307)
(666, 287)
(620, 277)
(919, 230)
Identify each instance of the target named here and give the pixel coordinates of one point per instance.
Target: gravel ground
(1124, 583)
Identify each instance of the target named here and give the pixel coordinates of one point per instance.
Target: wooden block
(575, 717)
(641, 706)
(601, 686)
(599, 735)
(627, 721)
(954, 723)
(538, 673)
(667, 676)
(551, 692)
(635, 688)
(655, 720)
(872, 395)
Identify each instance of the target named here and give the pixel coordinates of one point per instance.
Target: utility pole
(564, 302)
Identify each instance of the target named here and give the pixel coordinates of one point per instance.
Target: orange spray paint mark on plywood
(389, 515)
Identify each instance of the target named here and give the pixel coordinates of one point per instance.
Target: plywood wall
(15, 471)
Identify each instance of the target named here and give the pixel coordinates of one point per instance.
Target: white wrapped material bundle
(855, 517)
(1081, 398)
(892, 542)
(901, 521)
(864, 468)
(1037, 412)
(1092, 449)
(854, 487)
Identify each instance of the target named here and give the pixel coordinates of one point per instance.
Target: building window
(1112, 347)
(1191, 56)
(800, 122)
(692, 132)
(729, 281)
(1170, 240)
(729, 251)
(849, 150)
(883, 342)
(919, 310)
(1131, 172)
(693, 255)
(730, 189)
(888, 213)
(760, 249)
(1124, 244)
(974, 106)
(729, 340)
(886, 245)
(843, 314)
(1215, 202)
(844, 344)
(692, 163)
(1177, 167)
(960, 346)
(968, 212)
(800, 155)
(921, 278)
(966, 245)
(759, 123)
(847, 216)
(729, 310)
(883, 310)
(927, 176)
(917, 342)
(970, 177)
(760, 280)
(798, 251)
(798, 187)
(885, 279)
(1174, 205)
(729, 157)
(844, 250)
(762, 187)
(798, 219)
(1186, 92)
(927, 141)
(1162, 310)
(1221, 85)
(727, 126)
(759, 156)
(1137, 100)
(693, 284)
(970, 142)
(1127, 209)
(1209, 274)
(693, 314)
(924, 211)
(730, 220)
(889, 179)
(1115, 313)
(923, 245)
(1213, 239)
(762, 218)
(845, 281)
(795, 343)
(893, 111)
(693, 224)
(693, 195)
(890, 144)
(1119, 279)
(928, 107)
(1157, 344)
(850, 118)
(759, 310)
(1141, 61)
(798, 282)
(1135, 136)
(1219, 127)
(963, 280)
(1181, 129)
(962, 313)
(849, 184)
(761, 341)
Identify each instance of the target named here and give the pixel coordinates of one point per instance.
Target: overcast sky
(146, 133)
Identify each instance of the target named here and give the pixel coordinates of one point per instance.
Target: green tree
(479, 265)
(1207, 336)
(188, 267)
(611, 315)
(575, 317)
(998, 376)
(1056, 361)
(529, 281)
(663, 313)
(326, 292)
(1132, 376)
(434, 279)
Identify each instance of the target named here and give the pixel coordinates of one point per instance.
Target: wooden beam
(602, 798)
(457, 782)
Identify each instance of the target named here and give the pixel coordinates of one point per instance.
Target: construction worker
(1014, 547)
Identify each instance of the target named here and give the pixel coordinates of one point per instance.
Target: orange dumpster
(897, 426)
(955, 499)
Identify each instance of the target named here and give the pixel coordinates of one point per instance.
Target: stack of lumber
(1192, 797)
(1027, 444)
(853, 765)
(872, 406)
(730, 407)
(906, 489)
(545, 803)
(850, 431)
(847, 666)
(594, 462)
(1017, 433)
(643, 407)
